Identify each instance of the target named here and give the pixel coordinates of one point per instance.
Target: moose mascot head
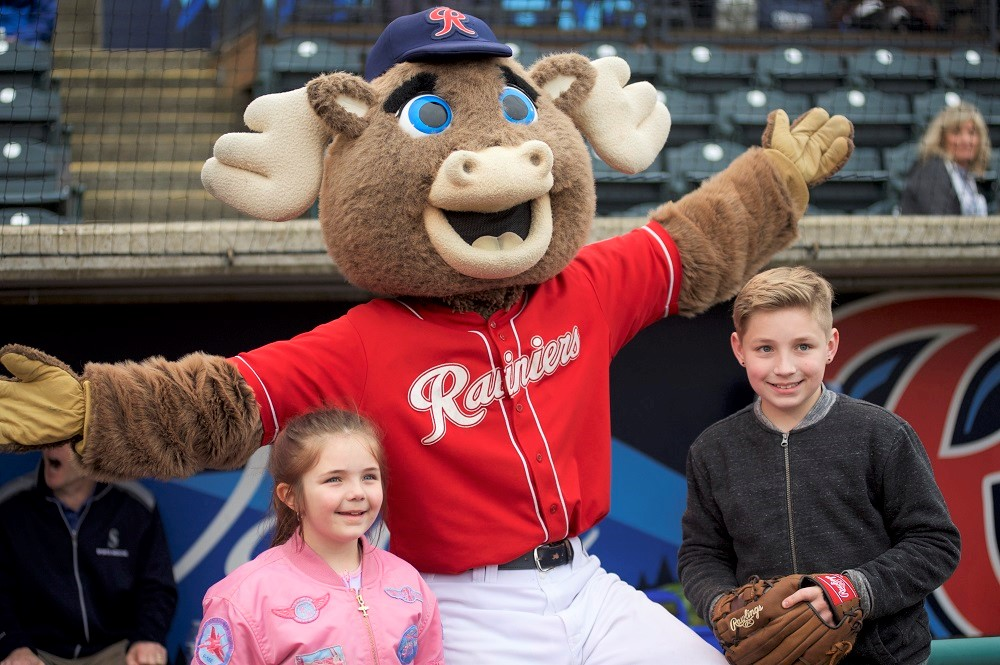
(456, 184)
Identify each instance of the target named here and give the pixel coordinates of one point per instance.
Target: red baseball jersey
(497, 432)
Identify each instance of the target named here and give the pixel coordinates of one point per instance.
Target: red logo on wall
(935, 361)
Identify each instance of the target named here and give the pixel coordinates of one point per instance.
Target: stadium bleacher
(34, 148)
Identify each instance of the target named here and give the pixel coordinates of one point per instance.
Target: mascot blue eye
(425, 114)
(517, 107)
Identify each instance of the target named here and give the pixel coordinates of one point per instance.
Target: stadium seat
(34, 173)
(861, 184)
(927, 105)
(617, 192)
(692, 117)
(898, 160)
(800, 69)
(31, 158)
(24, 64)
(694, 162)
(706, 69)
(293, 62)
(743, 113)
(30, 216)
(30, 112)
(644, 62)
(971, 69)
(892, 70)
(880, 119)
(50, 192)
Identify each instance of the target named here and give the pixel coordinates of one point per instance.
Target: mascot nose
(493, 179)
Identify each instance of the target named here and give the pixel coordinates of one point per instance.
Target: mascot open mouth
(492, 245)
(481, 229)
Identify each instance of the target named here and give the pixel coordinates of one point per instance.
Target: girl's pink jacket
(289, 606)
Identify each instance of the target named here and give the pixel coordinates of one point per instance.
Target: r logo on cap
(450, 19)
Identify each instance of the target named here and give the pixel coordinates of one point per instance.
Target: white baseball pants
(578, 614)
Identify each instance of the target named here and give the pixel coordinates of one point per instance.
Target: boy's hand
(814, 596)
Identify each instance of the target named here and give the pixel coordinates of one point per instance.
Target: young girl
(322, 593)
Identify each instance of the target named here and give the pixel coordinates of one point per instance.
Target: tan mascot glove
(45, 403)
(817, 144)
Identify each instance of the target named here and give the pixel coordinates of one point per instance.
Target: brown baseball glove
(753, 627)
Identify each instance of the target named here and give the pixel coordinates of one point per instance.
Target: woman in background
(953, 152)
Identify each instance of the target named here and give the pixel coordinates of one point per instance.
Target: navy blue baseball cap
(433, 34)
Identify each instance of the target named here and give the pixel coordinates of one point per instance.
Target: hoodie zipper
(371, 634)
(788, 500)
(75, 541)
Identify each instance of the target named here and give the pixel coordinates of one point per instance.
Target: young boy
(808, 481)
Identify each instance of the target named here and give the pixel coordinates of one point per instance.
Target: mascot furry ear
(457, 185)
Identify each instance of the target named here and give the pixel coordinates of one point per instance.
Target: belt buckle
(560, 545)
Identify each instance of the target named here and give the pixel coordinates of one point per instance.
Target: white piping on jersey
(670, 265)
(270, 404)
(541, 432)
(510, 434)
(412, 311)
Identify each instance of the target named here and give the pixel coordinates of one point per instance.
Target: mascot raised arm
(457, 185)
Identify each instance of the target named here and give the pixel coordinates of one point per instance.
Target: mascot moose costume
(457, 185)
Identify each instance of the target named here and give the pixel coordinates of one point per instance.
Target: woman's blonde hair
(782, 288)
(297, 449)
(949, 120)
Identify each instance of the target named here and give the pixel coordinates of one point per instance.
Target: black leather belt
(544, 557)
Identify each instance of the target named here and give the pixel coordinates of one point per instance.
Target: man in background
(85, 573)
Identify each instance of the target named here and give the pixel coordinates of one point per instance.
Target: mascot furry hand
(457, 184)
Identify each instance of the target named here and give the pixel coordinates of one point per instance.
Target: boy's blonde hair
(781, 288)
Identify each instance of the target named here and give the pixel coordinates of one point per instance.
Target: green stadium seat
(644, 62)
(977, 70)
(707, 69)
(692, 117)
(293, 62)
(618, 191)
(929, 104)
(800, 69)
(743, 113)
(892, 70)
(24, 64)
(30, 112)
(694, 162)
(31, 216)
(898, 161)
(861, 184)
(880, 119)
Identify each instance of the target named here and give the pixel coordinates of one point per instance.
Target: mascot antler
(626, 125)
(274, 173)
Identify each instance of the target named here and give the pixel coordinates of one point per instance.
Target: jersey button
(553, 508)
(493, 324)
(538, 457)
(502, 337)
(519, 408)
